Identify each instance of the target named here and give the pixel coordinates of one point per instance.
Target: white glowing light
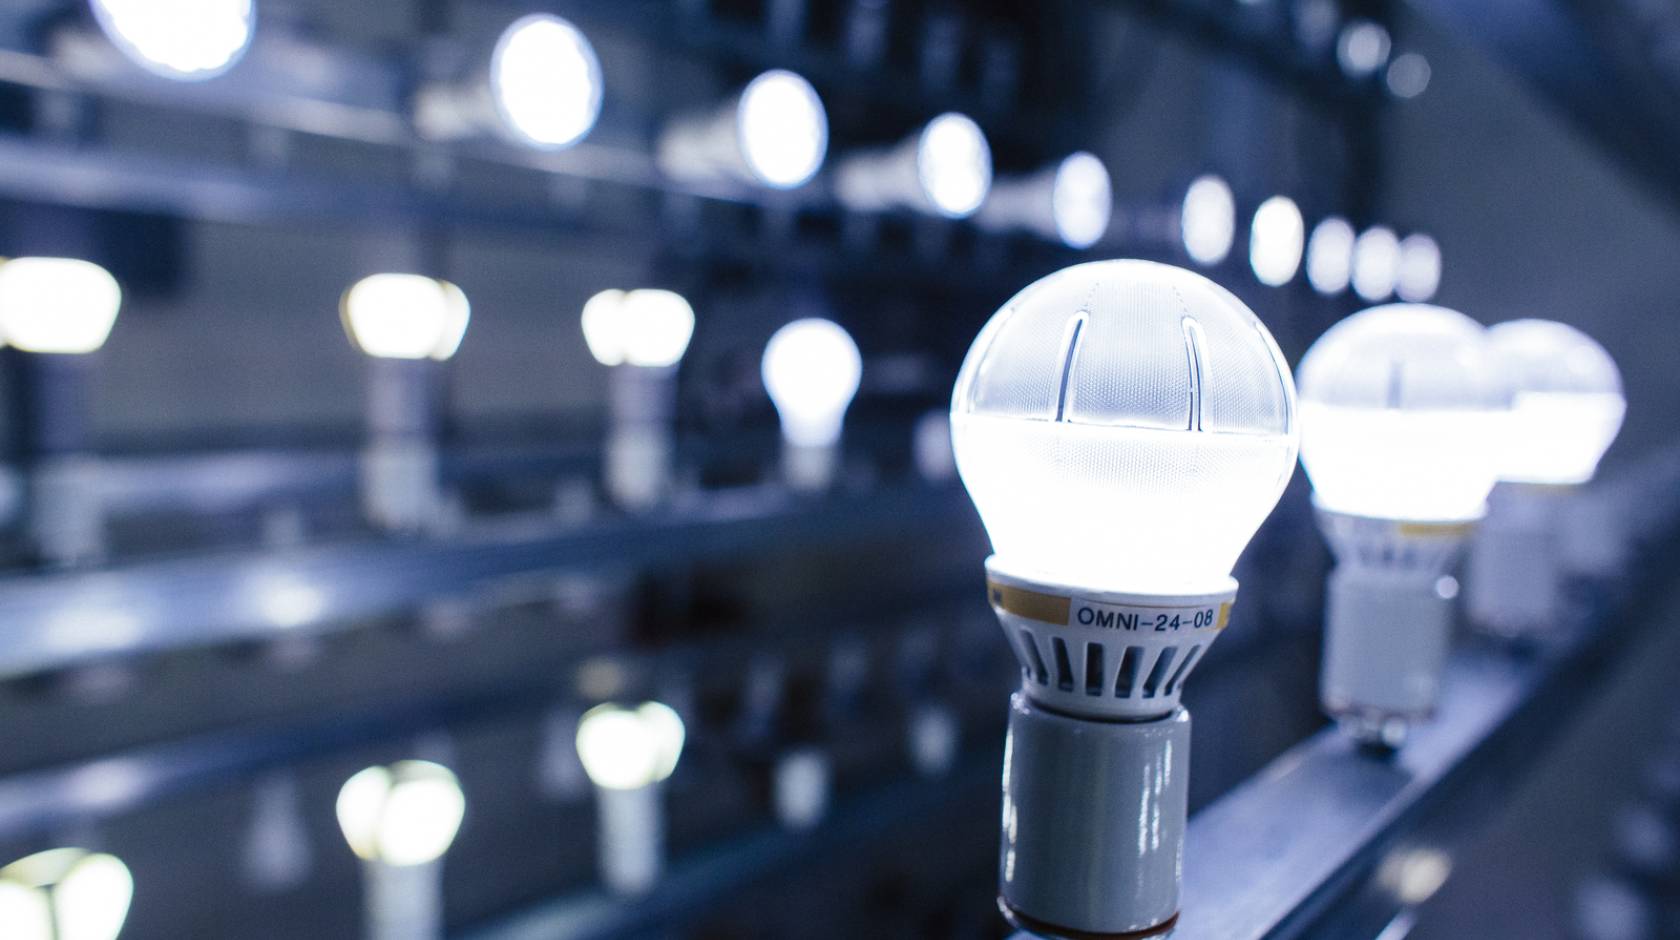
(1330, 256)
(1402, 413)
(546, 81)
(811, 369)
(1081, 200)
(405, 316)
(404, 814)
(1376, 264)
(954, 164)
(1567, 404)
(1408, 75)
(185, 40)
(1124, 425)
(1362, 48)
(639, 328)
(65, 894)
(57, 305)
(1208, 220)
(629, 748)
(783, 129)
(1420, 268)
(1275, 240)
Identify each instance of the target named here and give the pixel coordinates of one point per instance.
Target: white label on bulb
(1139, 619)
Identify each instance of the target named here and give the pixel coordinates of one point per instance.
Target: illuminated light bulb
(811, 370)
(406, 324)
(1275, 241)
(1376, 264)
(1330, 256)
(800, 787)
(54, 312)
(1419, 276)
(1208, 220)
(944, 170)
(1362, 48)
(627, 753)
(1123, 427)
(1566, 409)
(400, 820)
(773, 133)
(1401, 418)
(184, 40)
(1070, 202)
(540, 88)
(65, 894)
(1408, 75)
(641, 335)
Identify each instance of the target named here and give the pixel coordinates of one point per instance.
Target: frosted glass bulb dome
(184, 40)
(1401, 415)
(405, 316)
(1124, 425)
(404, 814)
(954, 164)
(1330, 256)
(1275, 241)
(811, 370)
(57, 305)
(644, 327)
(783, 129)
(629, 748)
(1081, 200)
(65, 894)
(1566, 405)
(545, 81)
(1208, 220)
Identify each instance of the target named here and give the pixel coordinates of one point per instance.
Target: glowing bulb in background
(812, 369)
(1081, 200)
(630, 748)
(1376, 263)
(783, 129)
(1330, 256)
(1419, 276)
(644, 327)
(1567, 404)
(954, 165)
(603, 329)
(405, 316)
(57, 305)
(402, 815)
(1124, 425)
(185, 40)
(1208, 220)
(1362, 48)
(1275, 240)
(65, 894)
(546, 81)
(1402, 415)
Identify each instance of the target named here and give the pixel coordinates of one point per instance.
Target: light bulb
(57, 305)
(405, 316)
(1419, 275)
(625, 748)
(65, 894)
(1376, 263)
(1082, 200)
(603, 326)
(1330, 256)
(545, 81)
(1362, 48)
(1567, 402)
(1275, 241)
(954, 164)
(783, 129)
(1208, 220)
(185, 40)
(1401, 411)
(403, 815)
(811, 370)
(1123, 427)
(1401, 415)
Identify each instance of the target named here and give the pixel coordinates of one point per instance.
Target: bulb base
(1514, 576)
(1075, 861)
(637, 457)
(1109, 655)
(1385, 643)
(403, 902)
(630, 839)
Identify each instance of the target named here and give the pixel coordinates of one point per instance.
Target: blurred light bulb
(657, 325)
(603, 326)
(1070, 466)
(65, 894)
(1376, 263)
(545, 81)
(402, 815)
(185, 40)
(1330, 256)
(1082, 200)
(1567, 403)
(1401, 413)
(1275, 241)
(783, 129)
(1208, 221)
(405, 316)
(1420, 269)
(811, 370)
(57, 305)
(1408, 75)
(1362, 48)
(625, 748)
(954, 165)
